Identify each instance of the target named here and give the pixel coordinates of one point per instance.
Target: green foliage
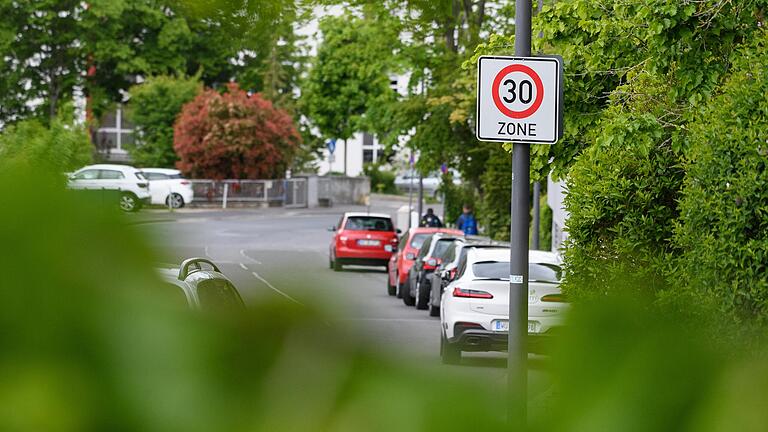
(493, 210)
(456, 196)
(59, 147)
(723, 228)
(101, 45)
(545, 224)
(349, 76)
(382, 181)
(154, 106)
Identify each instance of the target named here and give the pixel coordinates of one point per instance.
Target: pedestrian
(431, 220)
(467, 222)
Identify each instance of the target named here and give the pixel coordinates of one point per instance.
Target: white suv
(127, 180)
(474, 311)
(168, 187)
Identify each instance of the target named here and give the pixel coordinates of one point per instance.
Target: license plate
(368, 242)
(503, 326)
(500, 325)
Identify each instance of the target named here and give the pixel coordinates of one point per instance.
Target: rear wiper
(492, 279)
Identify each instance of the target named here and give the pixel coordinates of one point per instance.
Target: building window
(115, 132)
(367, 155)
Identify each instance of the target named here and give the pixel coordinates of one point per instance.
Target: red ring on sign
(539, 91)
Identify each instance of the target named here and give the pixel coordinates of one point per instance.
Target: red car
(362, 239)
(403, 259)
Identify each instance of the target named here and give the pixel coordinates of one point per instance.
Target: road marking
(243, 266)
(256, 275)
(244, 255)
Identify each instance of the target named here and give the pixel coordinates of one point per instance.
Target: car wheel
(336, 265)
(129, 202)
(449, 353)
(174, 201)
(400, 287)
(422, 296)
(434, 311)
(408, 299)
(330, 262)
(391, 289)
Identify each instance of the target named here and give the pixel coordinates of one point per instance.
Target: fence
(290, 192)
(304, 191)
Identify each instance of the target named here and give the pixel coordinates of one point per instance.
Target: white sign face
(519, 99)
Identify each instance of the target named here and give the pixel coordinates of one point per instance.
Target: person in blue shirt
(467, 222)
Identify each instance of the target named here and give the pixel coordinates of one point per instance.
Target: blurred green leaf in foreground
(89, 343)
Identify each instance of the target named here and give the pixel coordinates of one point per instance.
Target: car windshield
(368, 223)
(418, 240)
(500, 270)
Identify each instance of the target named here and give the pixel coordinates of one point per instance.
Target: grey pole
(345, 158)
(421, 195)
(536, 185)
(410, 198)
(536, 215)
(517, 368)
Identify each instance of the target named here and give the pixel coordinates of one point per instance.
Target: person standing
(431, 220)
(467, 222)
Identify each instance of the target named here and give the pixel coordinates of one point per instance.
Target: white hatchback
(126, 180)
(475, 305)
(168, 187)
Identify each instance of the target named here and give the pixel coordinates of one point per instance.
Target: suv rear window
(500, 270)
(368, 223)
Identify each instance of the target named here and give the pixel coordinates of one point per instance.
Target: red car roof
(429, 230)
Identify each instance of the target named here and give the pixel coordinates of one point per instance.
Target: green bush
(622, 194)
(496, 183)
(382, 181)
(723, 229)
(61, 147)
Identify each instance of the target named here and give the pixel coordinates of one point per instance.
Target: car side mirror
(332, 229)
(410, 256)
(399, 231)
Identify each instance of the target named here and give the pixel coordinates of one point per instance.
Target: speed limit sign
(519, 99)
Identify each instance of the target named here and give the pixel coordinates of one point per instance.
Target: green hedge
(382, 181)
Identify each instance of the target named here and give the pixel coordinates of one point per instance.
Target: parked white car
(127, 180)
(475, 305)
(430, 182)
(168, 187)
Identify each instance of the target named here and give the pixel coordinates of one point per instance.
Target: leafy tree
(52, 47)
(154, 106)
(349, 77)
(234, 135)
(59, 147)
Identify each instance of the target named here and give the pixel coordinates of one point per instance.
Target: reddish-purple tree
(234, 135)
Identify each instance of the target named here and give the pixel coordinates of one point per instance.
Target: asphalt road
(283, 254)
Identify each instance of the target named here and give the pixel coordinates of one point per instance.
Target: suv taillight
(185, 182)
(468, 293)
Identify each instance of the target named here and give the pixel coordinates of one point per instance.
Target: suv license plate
(368, 242)
(503, 326)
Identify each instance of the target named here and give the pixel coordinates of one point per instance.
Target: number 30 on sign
(519, 99)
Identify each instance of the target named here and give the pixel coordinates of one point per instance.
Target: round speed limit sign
(519, 99)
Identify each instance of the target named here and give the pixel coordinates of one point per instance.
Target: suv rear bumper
(484, 340)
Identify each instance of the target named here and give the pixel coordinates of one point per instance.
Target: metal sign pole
(517, 368)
